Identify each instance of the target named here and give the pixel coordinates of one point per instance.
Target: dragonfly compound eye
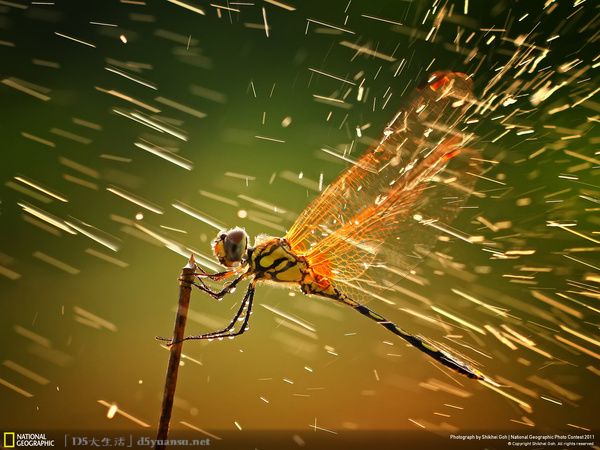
(230, 247)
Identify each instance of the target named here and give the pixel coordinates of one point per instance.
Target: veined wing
(387, 210)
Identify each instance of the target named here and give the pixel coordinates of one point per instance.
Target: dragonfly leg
(218, 295)
(217, 276)
(250, 299)
(226, 332)
(439, 355)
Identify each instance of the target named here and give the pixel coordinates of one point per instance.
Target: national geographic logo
(12, 440)
(9, 439)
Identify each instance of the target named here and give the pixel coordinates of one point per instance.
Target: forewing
(386, 211)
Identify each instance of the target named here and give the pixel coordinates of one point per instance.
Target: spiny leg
(244, 326)
(217, 276)
(246, 304)
(218, 295)
(225, 332)
(439, 355)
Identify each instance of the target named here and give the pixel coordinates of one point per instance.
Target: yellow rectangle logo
(9, 439)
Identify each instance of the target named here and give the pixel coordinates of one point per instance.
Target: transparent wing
(397, 230)
(387, 210)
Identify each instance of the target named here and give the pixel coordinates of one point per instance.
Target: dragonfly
(382, 214)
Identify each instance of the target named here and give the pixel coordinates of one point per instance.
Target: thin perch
(185, 287)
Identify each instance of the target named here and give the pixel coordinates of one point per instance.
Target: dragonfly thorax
(272, 259)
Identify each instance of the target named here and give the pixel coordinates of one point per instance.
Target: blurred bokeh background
(230, 118)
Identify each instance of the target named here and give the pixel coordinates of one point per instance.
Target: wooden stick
(185, 287)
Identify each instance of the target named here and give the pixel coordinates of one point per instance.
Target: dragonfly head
(230, 247)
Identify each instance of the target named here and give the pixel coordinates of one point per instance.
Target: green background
(84, 365)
